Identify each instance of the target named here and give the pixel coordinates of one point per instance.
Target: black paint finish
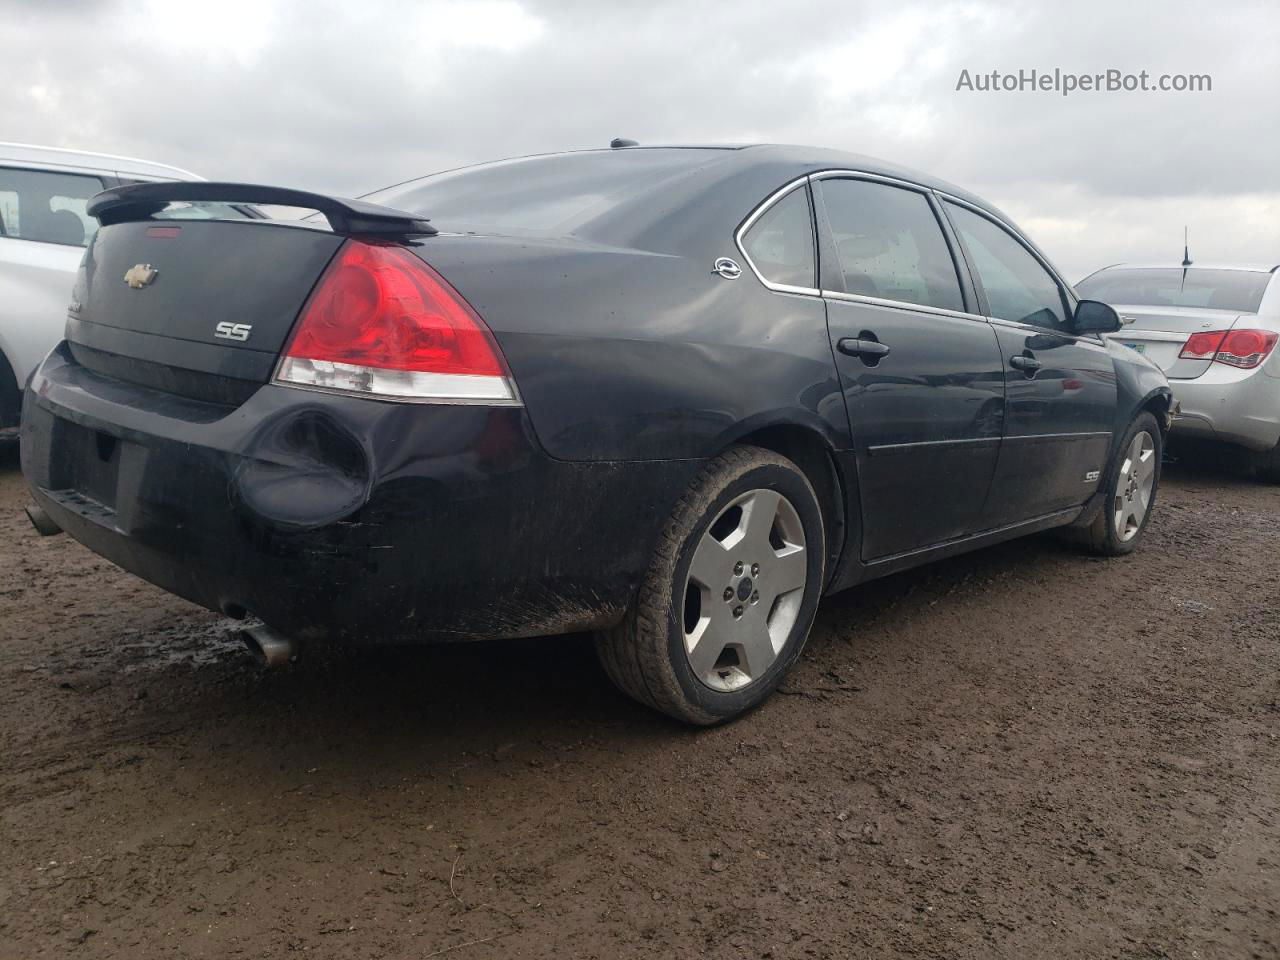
(328, 516)
(926, 421)
(1058, 423)
(170, 452)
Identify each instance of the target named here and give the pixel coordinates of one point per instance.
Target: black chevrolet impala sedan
(671, 395)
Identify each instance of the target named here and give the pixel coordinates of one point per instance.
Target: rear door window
(780, 243)
(1017, 285)
(889, 244)
(46, 207)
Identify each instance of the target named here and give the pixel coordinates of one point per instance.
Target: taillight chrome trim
(396, 386)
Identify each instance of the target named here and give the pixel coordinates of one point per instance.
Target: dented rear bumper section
(343, 518)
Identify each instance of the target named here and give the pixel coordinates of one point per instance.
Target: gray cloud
(347, 97)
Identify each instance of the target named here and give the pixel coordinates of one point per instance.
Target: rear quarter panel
(624, 354)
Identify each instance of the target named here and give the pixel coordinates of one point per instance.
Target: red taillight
(1237, 348)
(382, 322)
(1201, 346)
(1246, 348)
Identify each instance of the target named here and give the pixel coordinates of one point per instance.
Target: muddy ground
(1020, 753)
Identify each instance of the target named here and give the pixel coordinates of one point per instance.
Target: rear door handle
(1025, 363)
(867, 349)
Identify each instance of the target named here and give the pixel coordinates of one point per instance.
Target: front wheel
(727, 602)
(1131, 486)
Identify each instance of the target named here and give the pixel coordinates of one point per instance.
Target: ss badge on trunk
(233, 331)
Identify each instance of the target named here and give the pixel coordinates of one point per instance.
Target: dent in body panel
(330, 516)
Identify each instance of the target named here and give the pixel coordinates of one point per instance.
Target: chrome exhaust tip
(42, 521)
(269, 648)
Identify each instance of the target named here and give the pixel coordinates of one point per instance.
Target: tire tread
(1098, 537)
(633, 652)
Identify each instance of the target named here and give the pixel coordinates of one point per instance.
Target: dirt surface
(1020, 753)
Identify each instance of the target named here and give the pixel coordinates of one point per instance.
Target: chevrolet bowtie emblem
(139, 275)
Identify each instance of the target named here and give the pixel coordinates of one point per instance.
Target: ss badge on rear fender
(233, 331)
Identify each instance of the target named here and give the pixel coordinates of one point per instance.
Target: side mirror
(1093, 316)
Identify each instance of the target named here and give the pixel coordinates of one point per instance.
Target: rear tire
(10, 402)
(1131, 485)
(730, 594)
(1266, 465)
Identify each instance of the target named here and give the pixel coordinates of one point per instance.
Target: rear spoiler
(140, 201)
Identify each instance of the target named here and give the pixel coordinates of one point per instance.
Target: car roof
(812, 158)
(783, 162)
(1248, 267)
(828, 157)
(58, 158)
(802, 158)
(764, 166)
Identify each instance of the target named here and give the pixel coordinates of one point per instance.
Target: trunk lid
(200, 309)
(1159, 333)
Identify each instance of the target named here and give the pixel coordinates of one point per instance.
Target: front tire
(727, 602)
(1131, 486)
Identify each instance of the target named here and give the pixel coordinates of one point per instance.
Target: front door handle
(1026, 363)
(866, 349)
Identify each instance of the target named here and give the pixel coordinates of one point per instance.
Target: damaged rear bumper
(340, 517)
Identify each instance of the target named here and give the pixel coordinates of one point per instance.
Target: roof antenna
(1186, 250)
(618, 142)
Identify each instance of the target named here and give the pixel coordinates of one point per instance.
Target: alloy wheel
(1134, 486)
(744, 590)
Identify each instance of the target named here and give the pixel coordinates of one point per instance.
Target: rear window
(46, 207)
(1237, 290)
(539, 194)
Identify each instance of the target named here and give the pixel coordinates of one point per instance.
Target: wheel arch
(1160, 404)
(814, 454)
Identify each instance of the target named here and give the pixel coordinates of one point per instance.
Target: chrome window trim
(900, 305)
(1010, 228)
(1018, 238)
(865, 175)
(843, 173)
(761, 209)
(1080, 339)
(883, 301)
(809, 178)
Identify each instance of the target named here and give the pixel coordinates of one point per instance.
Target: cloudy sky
(346, 97)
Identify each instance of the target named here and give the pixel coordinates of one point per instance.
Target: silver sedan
(1213, 330)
